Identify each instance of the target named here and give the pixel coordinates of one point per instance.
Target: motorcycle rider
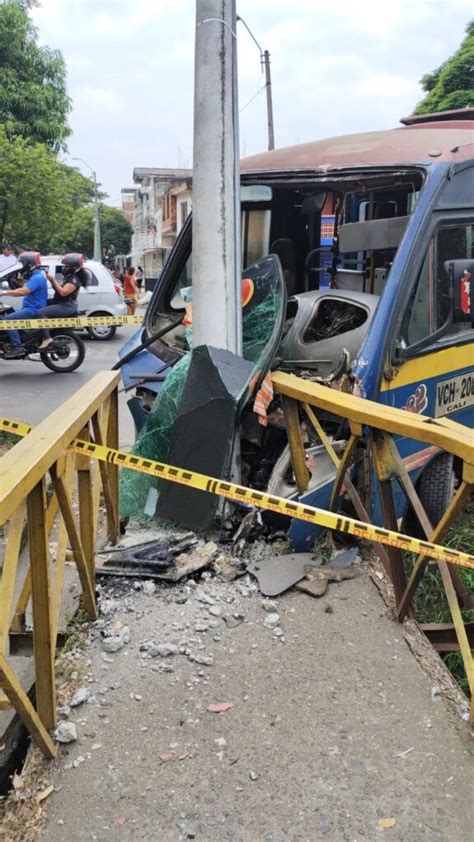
(35, 296)
(64, 302)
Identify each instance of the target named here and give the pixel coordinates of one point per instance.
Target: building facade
(162, 201)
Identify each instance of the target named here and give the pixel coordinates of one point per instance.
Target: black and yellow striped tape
(259, 499)
(75, 321)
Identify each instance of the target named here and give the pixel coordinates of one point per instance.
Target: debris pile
(173, 557)
(170, 558)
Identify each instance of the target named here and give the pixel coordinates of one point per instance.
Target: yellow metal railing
(375, 424)
(41, 482)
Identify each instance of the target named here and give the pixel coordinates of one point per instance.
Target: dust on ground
(332, 731)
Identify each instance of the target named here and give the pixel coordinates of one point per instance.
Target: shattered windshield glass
(263, 314)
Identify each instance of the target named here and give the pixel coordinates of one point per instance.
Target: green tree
(39, 195)
(115, 231)
(451, 85)
(33, 98)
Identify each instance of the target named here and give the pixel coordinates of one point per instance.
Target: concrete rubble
(204, 711)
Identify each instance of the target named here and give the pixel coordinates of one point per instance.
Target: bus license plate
(454, 394)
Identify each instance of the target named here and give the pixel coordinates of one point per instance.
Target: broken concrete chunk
(148, 587)
(201, 627)
(234, 620)
(66, 732)
(226, 567)
(205, 660)
(163, 650)
(203, 596)
(314, 587)
(113, 644)
(269, 605)
(271, 620)
(80, 696)
(117, 640)
(197, 558)
(333, 574)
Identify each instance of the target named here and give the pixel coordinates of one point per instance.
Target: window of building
(184, 213)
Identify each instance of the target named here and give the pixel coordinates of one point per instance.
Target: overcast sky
(337, 67)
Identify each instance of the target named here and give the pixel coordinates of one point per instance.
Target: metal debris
(278, 573)
(169, 558)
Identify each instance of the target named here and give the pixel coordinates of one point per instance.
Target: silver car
(101, 297)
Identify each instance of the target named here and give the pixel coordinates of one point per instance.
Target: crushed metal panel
(203, 432)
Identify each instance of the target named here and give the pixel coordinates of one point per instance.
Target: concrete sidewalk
(333, 730)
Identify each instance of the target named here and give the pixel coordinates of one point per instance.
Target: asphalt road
(30, 392)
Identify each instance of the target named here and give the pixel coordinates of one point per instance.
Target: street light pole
(97, 242)
(268, 86)
(265, 61)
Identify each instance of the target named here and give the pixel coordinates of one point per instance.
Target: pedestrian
(7, 258)
(140, 277)
(130, 291)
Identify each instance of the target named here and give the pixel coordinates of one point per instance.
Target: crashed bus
(364, 247)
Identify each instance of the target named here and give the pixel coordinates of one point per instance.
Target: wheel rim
(64, 352)
(101, 330)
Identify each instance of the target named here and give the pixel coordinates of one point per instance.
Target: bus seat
(285, 251)
(349, 279)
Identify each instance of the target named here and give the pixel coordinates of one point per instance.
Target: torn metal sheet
(346, 559)
(278, 573)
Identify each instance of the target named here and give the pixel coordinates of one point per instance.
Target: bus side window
(429, 307)
(255, 235)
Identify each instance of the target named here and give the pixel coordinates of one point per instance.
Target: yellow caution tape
(259, 499)
(76, 321)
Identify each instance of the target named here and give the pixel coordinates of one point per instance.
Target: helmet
(72, 263)
(30, 261)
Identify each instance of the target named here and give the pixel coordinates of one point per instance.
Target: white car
(101, 297)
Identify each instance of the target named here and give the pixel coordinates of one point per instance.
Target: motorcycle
(65, 354)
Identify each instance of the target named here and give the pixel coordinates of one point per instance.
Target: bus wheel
(436, 486)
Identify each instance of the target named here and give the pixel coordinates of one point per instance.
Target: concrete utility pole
(265, 61)
(97, 242)
(217, 297)
(268, 86)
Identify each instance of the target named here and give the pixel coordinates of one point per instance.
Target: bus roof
(419, 142)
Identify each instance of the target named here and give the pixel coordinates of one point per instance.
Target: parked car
(101, 297)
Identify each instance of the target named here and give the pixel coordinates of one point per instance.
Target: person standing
(140, 277)
(130, 291)
(7, 257)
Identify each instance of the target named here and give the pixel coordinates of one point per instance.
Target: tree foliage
(34, 103)
(115, 231)
(451, 85)
(39, 195)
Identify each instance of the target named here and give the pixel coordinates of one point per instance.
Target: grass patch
(430, 603)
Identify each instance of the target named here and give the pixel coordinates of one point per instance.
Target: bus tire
(436, 486)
